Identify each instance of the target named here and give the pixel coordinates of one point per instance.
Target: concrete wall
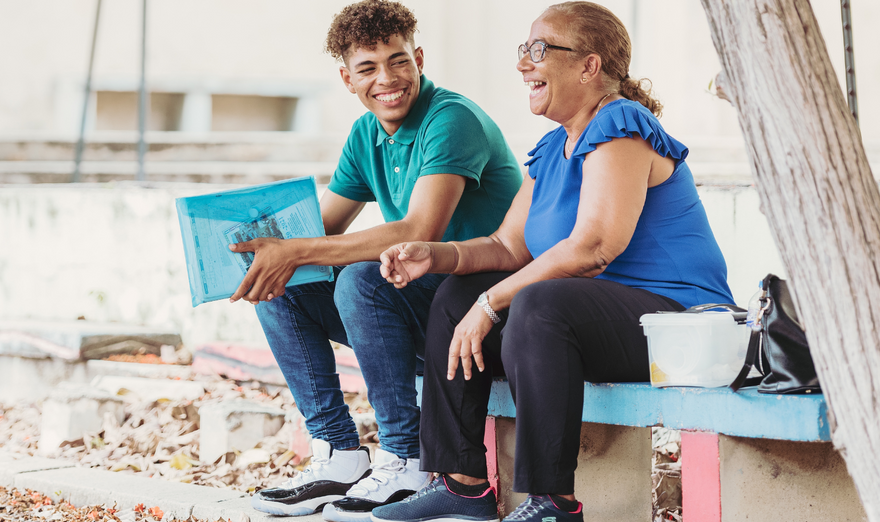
(109, 253)
(112, 252)
(274, 48)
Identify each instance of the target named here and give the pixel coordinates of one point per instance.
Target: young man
(440, 170)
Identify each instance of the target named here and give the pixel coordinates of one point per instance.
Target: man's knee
(272, 310)
(357, 284)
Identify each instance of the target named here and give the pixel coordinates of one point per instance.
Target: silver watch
(483, 301)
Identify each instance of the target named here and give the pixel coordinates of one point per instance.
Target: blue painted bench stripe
(746, 413)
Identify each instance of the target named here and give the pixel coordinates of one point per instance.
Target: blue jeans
(386, 329)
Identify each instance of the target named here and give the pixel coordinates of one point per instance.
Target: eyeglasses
(537, 49)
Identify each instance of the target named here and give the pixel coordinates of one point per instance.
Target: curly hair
(366, 23)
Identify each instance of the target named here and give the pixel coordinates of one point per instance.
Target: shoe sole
(331, 514)
(306, 507)
(438, 518)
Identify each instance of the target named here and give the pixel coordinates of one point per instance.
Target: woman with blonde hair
(607, 226)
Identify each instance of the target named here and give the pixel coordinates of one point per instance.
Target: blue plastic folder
(211, 222)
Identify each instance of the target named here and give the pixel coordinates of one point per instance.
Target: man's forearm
(344, 249)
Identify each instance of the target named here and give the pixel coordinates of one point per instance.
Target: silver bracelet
(483, 301)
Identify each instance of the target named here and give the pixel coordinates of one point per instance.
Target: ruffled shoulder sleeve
(542, 146)
(626, 118)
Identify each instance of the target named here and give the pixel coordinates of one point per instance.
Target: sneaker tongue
(320, 449)
(384, 457)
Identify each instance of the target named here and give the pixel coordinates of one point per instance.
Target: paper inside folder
(211, 222)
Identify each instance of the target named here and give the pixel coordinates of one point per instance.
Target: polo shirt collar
(406, 134)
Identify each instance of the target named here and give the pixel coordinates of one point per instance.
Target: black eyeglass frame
(523, 49)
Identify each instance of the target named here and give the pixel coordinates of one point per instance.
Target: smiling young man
(439, 169)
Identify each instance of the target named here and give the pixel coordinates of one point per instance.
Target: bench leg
(489, 440)
(613, 478)
(779, 481)
(700, 477)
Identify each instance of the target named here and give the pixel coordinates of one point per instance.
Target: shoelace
(380, 476)
(526, 510)
(300, 478)
(425, 490)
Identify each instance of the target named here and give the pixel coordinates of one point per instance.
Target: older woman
(606, 227)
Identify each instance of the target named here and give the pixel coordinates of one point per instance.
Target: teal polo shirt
(444, 133)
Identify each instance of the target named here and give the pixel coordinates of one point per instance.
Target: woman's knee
(532, 305)
(532, 318)
(454, 298)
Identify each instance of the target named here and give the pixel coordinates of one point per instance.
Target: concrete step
(176, 146)
(80, 486)
(148, 390)
(127, 369)
(236, 425)
(243, 172)
(257, 363)
(80, 340)
(35, 356)
(74, 409)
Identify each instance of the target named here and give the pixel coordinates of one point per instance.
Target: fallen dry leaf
(182, 461)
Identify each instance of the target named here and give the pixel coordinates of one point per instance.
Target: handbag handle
(739, 314)
(751, 356)
(753, 351)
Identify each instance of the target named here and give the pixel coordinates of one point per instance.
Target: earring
(583, 80)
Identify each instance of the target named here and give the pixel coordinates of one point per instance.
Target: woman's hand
(467, 342)
(406, 262)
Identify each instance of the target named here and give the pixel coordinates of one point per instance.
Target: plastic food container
(700, 349)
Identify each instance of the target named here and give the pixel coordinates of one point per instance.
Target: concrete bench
(745, 455)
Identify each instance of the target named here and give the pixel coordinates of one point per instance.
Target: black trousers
(555, 335)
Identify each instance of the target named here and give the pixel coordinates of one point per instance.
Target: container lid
(702, 318)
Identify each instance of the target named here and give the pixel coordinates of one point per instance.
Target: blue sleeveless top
(672, 252)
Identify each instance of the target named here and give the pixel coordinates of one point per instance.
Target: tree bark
(822, 203)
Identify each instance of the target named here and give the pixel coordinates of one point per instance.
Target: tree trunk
(822, 203)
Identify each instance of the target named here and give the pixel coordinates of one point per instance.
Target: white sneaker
(329, 477)
(392, 479)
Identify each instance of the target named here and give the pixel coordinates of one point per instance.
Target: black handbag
(778, 346)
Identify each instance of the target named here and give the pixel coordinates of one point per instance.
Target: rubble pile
(666, 475)
(161, 439)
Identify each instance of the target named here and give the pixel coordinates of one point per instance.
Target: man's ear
(345, 74)
(419, 55)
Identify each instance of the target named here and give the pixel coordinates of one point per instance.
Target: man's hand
(406, 262)
(269, 273)
(467, 342)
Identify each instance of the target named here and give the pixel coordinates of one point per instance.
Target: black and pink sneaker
(435, 502)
